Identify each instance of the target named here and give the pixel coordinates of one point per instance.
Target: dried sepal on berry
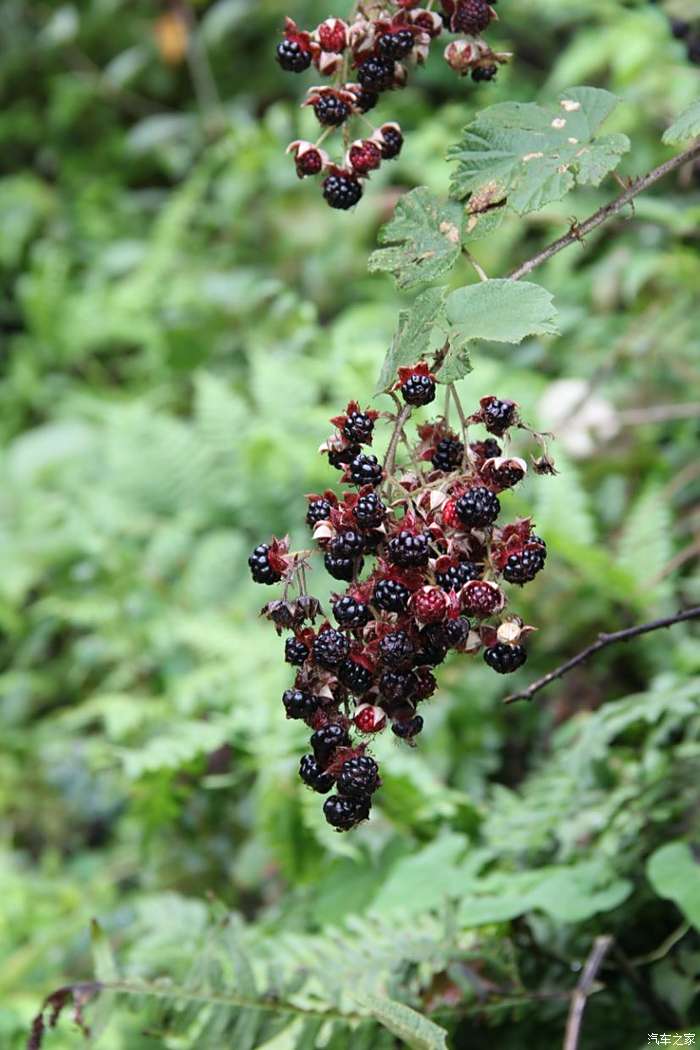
(308, 158)
(363, 156)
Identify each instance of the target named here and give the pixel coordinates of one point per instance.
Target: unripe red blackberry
(299, 704)
(342, 568)
(391, 596)
(429, 604)
(418, 390)
(331, 111)
(524, 565)
(370, 719)
(376, 74)
(408, 729)
(366, 470)
(295, 652)
(396, 685)
(397, 45)
(396, 650)
(354, 677)
(498, 415)
(471, 17)
(478, 507)
(292, 57)
(348, 544)
(341, 191)
(312, 775)
(349, 612)
(409, 549)
(344, 813)
(505, 658)
(456, 576)
(482, 598)
(369, 511)
(358, 777)
(330, 648)
(447, 455)
(325, 741)
(392, 141)
(359, 428)
(260, 568)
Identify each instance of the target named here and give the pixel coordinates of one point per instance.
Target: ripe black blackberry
(369, 511)
(396, 685)
(498, 416)
(366, 470)
(318, 510)
(339, 458)
(418, 389)
(344, 813)
(524, 566)
(359, 428)
(330, 648)
(392, 141)
(358, 777)
(260, 568)
(312, 775)
(299, 704)
(406, 730)
(365, 100)
(484, 73)
(349, 612)
(448, 454)
(505, 658)
(543, 545)
(376, 74)
(478, 507)
(456, 576)
(391, 596)
(396, 650)
(433, 646)
(341, 191)
(507, 476)
(295, 652)
(395, 46)
(409, 549)
(471, 16)
(455, 632)
(348, 544)
(331, 111)
(354, 677)
(292, 57)
(341, 568)
(325, 741)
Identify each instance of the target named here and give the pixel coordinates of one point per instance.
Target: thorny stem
(579, 230)
(602, 642)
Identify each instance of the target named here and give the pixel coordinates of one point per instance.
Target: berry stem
(324, 135)
(480, 271)
(390, 458)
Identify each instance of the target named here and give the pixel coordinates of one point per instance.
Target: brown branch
(390, 458)
(602, 642)
(584, 988)
(579, 230)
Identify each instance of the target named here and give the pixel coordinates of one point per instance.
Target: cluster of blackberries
(376, 50)
(438, 556)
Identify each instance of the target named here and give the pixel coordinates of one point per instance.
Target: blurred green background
(180, 317)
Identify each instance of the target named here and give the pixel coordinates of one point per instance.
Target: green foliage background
(180, 318)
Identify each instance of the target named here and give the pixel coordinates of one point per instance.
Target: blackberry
(319, 510)
(354, 677)
(295, 652)
(342, 568)
(425, 684)
(340, 457)
(524, 565)
(395, 46)
(349, 612)
(447, 455)
(365, 100)
(260, 568)
(418, 389)
(408, 549)
(478, 506)
(359, 777)
(392, 141)
(391, 596)
(292, 57)
(369, 511)
(498, 416)
(348, 544)
(330, 648)
(489, 449)
(433, 646)
(679, 28)
(408, 729)
(312, 775)
(332, 112)
(454, 578)
(326, 739)
(483, 73)
(482, 598)
(508, 476)
(299, 704)
(359, 428)
(543, 545)
(344, 813)
(366, 470)
(396, 685)
(471, 17)
(505, 658)
(376, 74)
(455, 632)
(396, 650)
(341, 191)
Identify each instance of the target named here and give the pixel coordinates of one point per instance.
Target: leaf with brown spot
(424, 239)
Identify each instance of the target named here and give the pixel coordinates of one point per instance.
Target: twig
(607, 211)
(585, 986)
(602, 642)
(480, 271)
(390, 458)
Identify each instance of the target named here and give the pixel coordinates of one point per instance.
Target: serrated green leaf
(105, 967)
(421, 331)
(500, 310)
(425, 235)
(687, 126)
(675, 873)
(530, 155)
(415, 1031)
(644, 548)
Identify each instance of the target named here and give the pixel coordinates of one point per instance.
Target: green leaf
(530, 155)
(421, 331)
(686, 127)
(106, 972)
(500, 310)
(414, 1030)
(425, 235)
(674, 873)
(645, 548)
